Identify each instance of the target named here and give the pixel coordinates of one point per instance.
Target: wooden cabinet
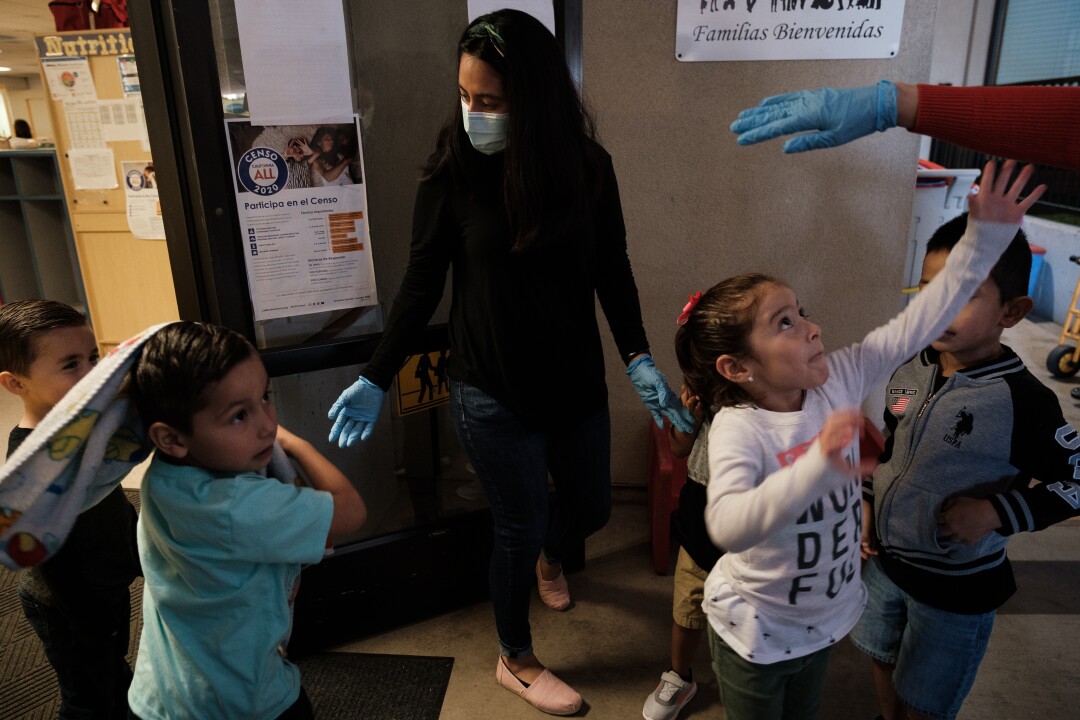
(37, 253)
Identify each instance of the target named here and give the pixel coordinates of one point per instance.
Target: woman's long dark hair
(545, 167)
(334, 151)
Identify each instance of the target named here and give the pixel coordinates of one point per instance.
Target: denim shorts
(935, 653)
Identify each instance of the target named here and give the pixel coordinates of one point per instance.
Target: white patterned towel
(78, 453)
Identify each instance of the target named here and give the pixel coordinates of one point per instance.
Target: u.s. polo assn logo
(262, 171)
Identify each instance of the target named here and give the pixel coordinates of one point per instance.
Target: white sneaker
(670, 696)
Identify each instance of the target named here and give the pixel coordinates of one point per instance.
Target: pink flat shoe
(555, 593)
(547, 693)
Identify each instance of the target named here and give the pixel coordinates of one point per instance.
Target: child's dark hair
(719, 324)
(1013, 268)
(177, 365)
(22, 321)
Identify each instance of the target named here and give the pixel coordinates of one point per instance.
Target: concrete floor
(612, 644)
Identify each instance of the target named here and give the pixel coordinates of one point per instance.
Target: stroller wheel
(1060, 361)
(1075, 393)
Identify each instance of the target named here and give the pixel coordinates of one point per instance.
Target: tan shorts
(689, 593)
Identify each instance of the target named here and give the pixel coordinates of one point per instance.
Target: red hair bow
(688, 308)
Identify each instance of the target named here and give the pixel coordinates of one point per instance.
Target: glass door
(428, 535)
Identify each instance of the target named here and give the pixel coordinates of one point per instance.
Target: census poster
(303, 217)
(143, 205)
(711, 30)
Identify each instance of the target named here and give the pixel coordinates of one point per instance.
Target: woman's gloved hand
(654, 391)
(355, 412)
(837, 115)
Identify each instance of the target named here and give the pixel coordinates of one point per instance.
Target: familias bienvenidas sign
(85, 43)
(709, 30)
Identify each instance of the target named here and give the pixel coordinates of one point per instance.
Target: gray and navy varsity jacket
(985, 432)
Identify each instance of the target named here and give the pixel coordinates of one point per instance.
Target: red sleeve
(1030, 124)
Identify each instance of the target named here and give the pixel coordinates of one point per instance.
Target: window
(1038, 43)
(1033, 42)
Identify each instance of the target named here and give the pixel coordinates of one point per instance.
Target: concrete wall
(700, 208)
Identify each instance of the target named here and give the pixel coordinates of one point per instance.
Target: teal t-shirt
(221, 557)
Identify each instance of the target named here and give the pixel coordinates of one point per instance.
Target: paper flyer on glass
(542, 10)
(303, 217)
(296, 60)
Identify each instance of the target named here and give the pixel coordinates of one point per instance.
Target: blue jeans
(91, 669)
(935, 653)
(512, 462)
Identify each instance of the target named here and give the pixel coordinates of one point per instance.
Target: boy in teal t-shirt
(221, 544)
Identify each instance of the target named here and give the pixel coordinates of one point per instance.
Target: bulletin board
(91, 80)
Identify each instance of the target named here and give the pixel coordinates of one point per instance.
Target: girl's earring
(749, 378)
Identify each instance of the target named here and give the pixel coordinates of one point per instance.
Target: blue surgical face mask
(486, 131)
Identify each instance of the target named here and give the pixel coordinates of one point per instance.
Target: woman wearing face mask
(522, 204)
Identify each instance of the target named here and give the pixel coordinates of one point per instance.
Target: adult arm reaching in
(1033, 124)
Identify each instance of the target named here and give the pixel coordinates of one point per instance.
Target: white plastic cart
(934, 204)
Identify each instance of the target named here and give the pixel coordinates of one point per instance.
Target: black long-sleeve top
(522, 325)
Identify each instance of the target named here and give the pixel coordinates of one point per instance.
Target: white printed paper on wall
(302, 204)
(121, 120)
(143, 206)
(92, 169)
(129, 75)
(69, 78)
(83, 120)
(709, 30)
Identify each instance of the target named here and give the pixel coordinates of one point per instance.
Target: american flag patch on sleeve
(899, 399)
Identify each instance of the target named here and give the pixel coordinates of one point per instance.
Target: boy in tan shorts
(697, 555)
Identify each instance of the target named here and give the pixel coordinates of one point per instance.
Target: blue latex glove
(838, 116)
(653, 390)
(355, 412)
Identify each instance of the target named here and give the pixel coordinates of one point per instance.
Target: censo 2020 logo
(262, 171)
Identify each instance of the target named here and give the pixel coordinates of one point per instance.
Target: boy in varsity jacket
(969, 427)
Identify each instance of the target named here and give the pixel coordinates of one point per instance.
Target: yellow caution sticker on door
(422, 383)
